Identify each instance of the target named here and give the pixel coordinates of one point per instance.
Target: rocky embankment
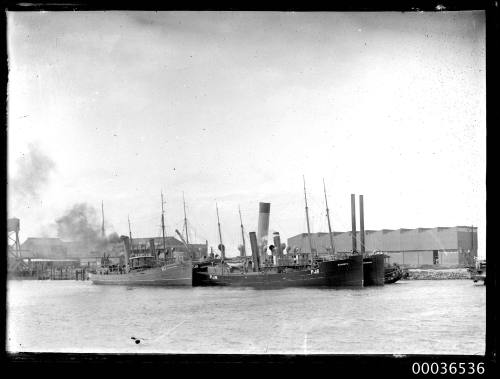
(443, 274)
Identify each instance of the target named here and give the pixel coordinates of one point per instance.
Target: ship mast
(328, 218)
(130, 235)
(220, 235)
(163, 226)
(103, 233)
(242, 234)
(185, 219)
(307, 217)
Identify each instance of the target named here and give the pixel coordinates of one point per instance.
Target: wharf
(438, 274)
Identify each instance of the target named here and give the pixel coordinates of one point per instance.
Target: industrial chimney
(353, 217)
(362, 224)
(263, 228)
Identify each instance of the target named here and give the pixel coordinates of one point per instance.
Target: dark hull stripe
(344, 273)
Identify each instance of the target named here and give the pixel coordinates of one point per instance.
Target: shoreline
(438, 274)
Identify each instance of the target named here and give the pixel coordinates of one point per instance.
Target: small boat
(392, 274)
(478, 273)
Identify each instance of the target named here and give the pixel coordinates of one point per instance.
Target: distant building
(47, 248)
(172, 244)
(55, 248)
(441, 246)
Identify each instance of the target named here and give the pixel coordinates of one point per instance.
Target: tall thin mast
(244, 252)
(361, 224)
(130, 235)
(328, 218)
(103, 233)
(220, 235)
(163, 226)
(185, 219)
(307, 217)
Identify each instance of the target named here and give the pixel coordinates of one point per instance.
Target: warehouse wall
(452, 244)
(411, 258)
(449, 258)
(466, 241)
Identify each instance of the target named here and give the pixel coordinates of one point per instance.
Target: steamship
(335, 273)
(146, 270)
(299, 270)
(374, 270)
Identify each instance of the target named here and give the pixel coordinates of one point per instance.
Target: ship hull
(392, 275)
(373, 270)
(340, 273)
(177, 274)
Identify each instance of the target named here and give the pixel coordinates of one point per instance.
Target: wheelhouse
(142, 261)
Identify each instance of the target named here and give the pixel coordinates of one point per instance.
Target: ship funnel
(255, 251)
(277, 244)
(362, 224)
(263, 228)
(126, 242)
(152, 247)
(353, 217)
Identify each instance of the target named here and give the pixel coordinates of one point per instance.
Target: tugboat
(392, 273)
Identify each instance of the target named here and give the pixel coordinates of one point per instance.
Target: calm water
(409, 317)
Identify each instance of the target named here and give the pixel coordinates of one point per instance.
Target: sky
(234, 108)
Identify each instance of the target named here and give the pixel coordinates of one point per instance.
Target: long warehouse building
(441, 246)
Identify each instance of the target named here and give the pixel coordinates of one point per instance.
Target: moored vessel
(334, 273)
(280, 270)
(392, 274)
(148, 269)
(478, 273)
(373, 270)
(145, 271)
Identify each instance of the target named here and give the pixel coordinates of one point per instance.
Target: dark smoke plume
(81, 224)
(114, 238)
(33, 171)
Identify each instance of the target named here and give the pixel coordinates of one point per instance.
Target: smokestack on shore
(362, 224)
(126, 242)
(353, 217)
(255, 251)
(263, 228)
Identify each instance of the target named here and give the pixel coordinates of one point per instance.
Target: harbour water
(408, 317)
